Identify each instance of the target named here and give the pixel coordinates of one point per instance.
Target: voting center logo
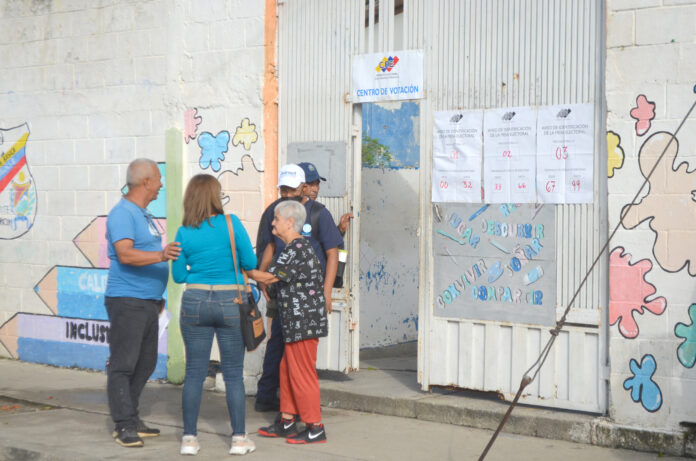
(387, 64)
(17, 188)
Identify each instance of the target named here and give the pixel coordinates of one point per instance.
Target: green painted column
(174, 154)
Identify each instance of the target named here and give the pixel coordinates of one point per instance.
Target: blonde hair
(202, 200)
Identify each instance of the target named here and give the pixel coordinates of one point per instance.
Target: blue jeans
(203, 314)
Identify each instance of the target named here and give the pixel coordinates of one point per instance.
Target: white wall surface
(98, 83)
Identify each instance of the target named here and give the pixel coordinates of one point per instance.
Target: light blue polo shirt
(128, 221)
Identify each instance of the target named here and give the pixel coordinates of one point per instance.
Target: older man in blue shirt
(137, 279)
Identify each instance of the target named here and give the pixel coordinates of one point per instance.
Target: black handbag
(250, 317)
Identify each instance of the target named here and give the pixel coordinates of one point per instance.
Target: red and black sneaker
(282, 428)
(314, 433)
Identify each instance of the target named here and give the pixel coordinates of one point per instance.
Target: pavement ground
(49, 413)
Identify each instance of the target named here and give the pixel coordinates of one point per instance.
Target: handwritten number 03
(561, 152)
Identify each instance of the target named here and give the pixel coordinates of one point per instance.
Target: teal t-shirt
(128, 221)
(206, 255)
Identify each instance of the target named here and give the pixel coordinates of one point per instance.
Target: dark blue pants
(133, 348)
(270, 378)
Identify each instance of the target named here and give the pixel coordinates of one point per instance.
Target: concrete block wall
(650, 86)
(97, 84)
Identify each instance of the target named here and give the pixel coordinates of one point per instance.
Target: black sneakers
(128, 437)
(314, 433)
(142, 430)
(281, 428)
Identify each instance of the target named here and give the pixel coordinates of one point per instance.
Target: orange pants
(299, 383)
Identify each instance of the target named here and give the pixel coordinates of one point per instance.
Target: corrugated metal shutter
(498, 53)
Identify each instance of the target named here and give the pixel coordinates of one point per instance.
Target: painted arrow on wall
(91, 241)
(74, 292)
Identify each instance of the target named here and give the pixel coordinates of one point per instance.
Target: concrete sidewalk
(59, 414)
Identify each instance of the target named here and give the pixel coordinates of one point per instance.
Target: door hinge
(355, 131)
(352, 325)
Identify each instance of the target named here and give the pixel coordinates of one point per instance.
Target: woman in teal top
(208, 306)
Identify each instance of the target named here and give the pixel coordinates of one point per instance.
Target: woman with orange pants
(302, 310)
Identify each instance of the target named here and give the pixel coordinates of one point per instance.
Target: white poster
(457, 147)
(387, 76)
(565, 153)
(509, 155)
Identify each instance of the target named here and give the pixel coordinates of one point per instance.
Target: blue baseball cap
(310, 171)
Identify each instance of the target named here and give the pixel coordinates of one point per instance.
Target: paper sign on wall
(395, 75)
(457, 144)
(509, 155)
(565, 153)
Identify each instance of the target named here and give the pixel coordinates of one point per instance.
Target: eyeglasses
(153, 225)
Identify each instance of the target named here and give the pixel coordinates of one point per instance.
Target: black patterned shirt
(301, 300)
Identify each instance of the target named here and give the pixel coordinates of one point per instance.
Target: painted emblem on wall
(17, 188)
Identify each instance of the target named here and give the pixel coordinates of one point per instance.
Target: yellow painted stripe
(19, 145)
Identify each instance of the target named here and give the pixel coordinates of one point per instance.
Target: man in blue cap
(311, 190)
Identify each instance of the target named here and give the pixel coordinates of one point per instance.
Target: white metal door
(497, 53)
(316, 41)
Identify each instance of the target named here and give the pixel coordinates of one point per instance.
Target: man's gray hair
(292, 209)
(139, 170)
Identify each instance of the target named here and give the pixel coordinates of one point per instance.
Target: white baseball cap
(291, 175)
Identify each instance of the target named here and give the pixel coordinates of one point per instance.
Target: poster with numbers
(509, 155)
(457, 146)
(565, 153)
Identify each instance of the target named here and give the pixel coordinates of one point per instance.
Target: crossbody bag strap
(230, 230)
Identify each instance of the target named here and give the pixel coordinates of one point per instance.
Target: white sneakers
(189, 445)
(241, 445)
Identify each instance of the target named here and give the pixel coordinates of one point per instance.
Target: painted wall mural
(191, 122)
(213, 148)
(668, 207)
(686, 352)
(245, 134)
(18, 197)
(77, 331)
(643, 389)
(615, 153)
(629, 292)
(643, 112)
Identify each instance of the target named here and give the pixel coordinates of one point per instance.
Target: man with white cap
(325, 241)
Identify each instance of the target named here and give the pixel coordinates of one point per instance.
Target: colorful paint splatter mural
(662, 220)
(17, 188)
(629, 292)
(77, 334)
(644, 389)
(668, 207)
